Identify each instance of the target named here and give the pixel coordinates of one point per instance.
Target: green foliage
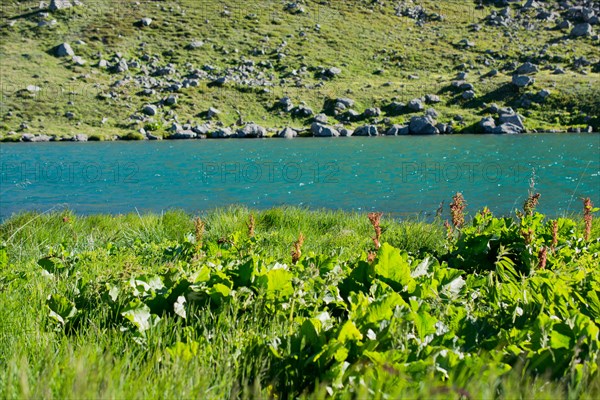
(234, 318)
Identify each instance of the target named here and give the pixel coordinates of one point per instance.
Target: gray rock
(371, 112)
(33, 88)
(145, 21)
(78, 60)
(527, 68)
(321, 118)
(468, 95)
(443, 128)
(80, 137)
(221, 133)
(219, 81)
(183, 134)
(285, 103)
(366, 130)
(507, 128)
(423, 126)
(432, 98)
(323, 130)
(120, 67)
(28, 137)
(302, 111)
(487, 125)
(558, 71)
(64, 50)
(332, 72)
(345, 101)
(397, 130)
(287, 133)
(69, 115)
(564, 24)
(346, 132)
(251, 131)
(466, 86)
(584, 29)
(171, 100)
(150, 110)
(196, 44)
(543, 94)
(432, 113)
(514, 119)
(61, 4)
(522, 80)
(415, 105)
(505, 111)
(102, 64)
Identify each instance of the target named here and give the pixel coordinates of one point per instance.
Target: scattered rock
(321, 118)
(366, 130)
(212, 112)
(514, 119)
(331, 72)
(323, 130)
(221, 133)
(196, 44)
(583, 29)
(423, 126)
(415, 105)
(372, 112)
(150, 110)
(171, 100)
(398, 130)
(346, 132)
(183, 134)
(63, 50)
(527, 68)
(28, 137)
(487, 125)
(251, 131)
(302, 111)
(287, 133)
(432, 99)
(62, 4)
(145, 21)
(80, 137)
(468, 95)
(507, 128)
(285, 103)
(522, 81)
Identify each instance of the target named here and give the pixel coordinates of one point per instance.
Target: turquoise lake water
(399, 175)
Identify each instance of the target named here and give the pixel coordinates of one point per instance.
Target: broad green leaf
(424, 323)
(179, 307)
(277, 283)
(393, 268)
(138, 314)
(348, 332)
(61, 308)
(183, 351)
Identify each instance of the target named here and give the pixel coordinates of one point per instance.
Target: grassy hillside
(268, 51)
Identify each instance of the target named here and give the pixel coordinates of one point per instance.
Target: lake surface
(399, 175)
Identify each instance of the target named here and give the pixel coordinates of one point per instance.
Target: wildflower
(199, 232)
(297, 252)
(531, 203)
(457, 208)
(554, 234)
(542, 257)
(251, 225)
(375, 219)
(587, 217)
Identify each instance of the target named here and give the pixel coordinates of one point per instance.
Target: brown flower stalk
(449, 229)
(457, 208)
(587, 217)
(297, 251)
(554, 234)
(531, 203)
(527, 235)
(251, 225)
(543, 257)
(371, 256)
(199, 232)
(375, 219)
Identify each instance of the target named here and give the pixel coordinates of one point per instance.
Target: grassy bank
(384, 57)
(235, 305)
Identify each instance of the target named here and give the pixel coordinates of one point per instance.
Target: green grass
(355, 36)
(96, 359)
